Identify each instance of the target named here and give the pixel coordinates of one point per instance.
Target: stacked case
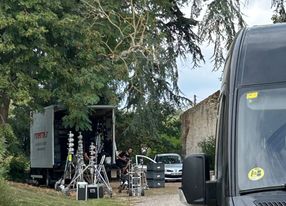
(156, 175)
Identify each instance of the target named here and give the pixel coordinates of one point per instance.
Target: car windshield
(170, 159)
(261, 138)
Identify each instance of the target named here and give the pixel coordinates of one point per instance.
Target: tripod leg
(77, 176)
(102, 179)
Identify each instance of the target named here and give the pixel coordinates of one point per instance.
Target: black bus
(251, 127)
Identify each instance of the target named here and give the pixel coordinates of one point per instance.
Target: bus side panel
(42, 139)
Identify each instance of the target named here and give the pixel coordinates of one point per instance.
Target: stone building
(199, 123)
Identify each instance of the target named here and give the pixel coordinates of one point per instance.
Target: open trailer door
(108, 111)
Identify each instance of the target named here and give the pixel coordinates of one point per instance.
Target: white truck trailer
(49, 138)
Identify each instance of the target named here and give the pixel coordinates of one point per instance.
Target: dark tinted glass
(172, 159)
(263, 57)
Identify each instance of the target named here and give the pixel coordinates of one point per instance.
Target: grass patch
(16, 194)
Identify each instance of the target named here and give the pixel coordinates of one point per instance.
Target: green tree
(146, 39)
(167, 138)
(8, 147)
(208, 146)
(221, 21)
(49, 54)
(77, 53)
(279, 15)
(19, 119)
(2, 150)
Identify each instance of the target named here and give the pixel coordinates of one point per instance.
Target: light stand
(80, 166)
(69, 163)
(97, 172)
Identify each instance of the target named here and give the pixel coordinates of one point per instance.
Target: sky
(202, 81)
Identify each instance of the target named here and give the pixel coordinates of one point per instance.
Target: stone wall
(199, 123)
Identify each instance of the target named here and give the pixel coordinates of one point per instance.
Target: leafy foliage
(223, 18)
(2, 151)
(16, 168)
(13, 163)
(208, 147)
(167, 138)
(8, 146)
(19, 119)
(77, 53)
(8, 139)
(50, 55)
(147, 38)
(279, 15)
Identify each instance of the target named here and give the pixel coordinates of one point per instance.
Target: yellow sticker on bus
(255, 174)
(251, 95)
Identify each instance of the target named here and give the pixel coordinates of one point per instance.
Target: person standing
(123, 162)
(123, 159)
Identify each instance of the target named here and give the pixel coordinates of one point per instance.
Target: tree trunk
(4, 107)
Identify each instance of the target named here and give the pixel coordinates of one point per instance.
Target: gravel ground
(171, 199)
(162, 196)
(155, 196)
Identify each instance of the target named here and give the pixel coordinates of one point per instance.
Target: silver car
(173, 165)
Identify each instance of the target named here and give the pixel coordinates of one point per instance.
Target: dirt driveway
(156, 196)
